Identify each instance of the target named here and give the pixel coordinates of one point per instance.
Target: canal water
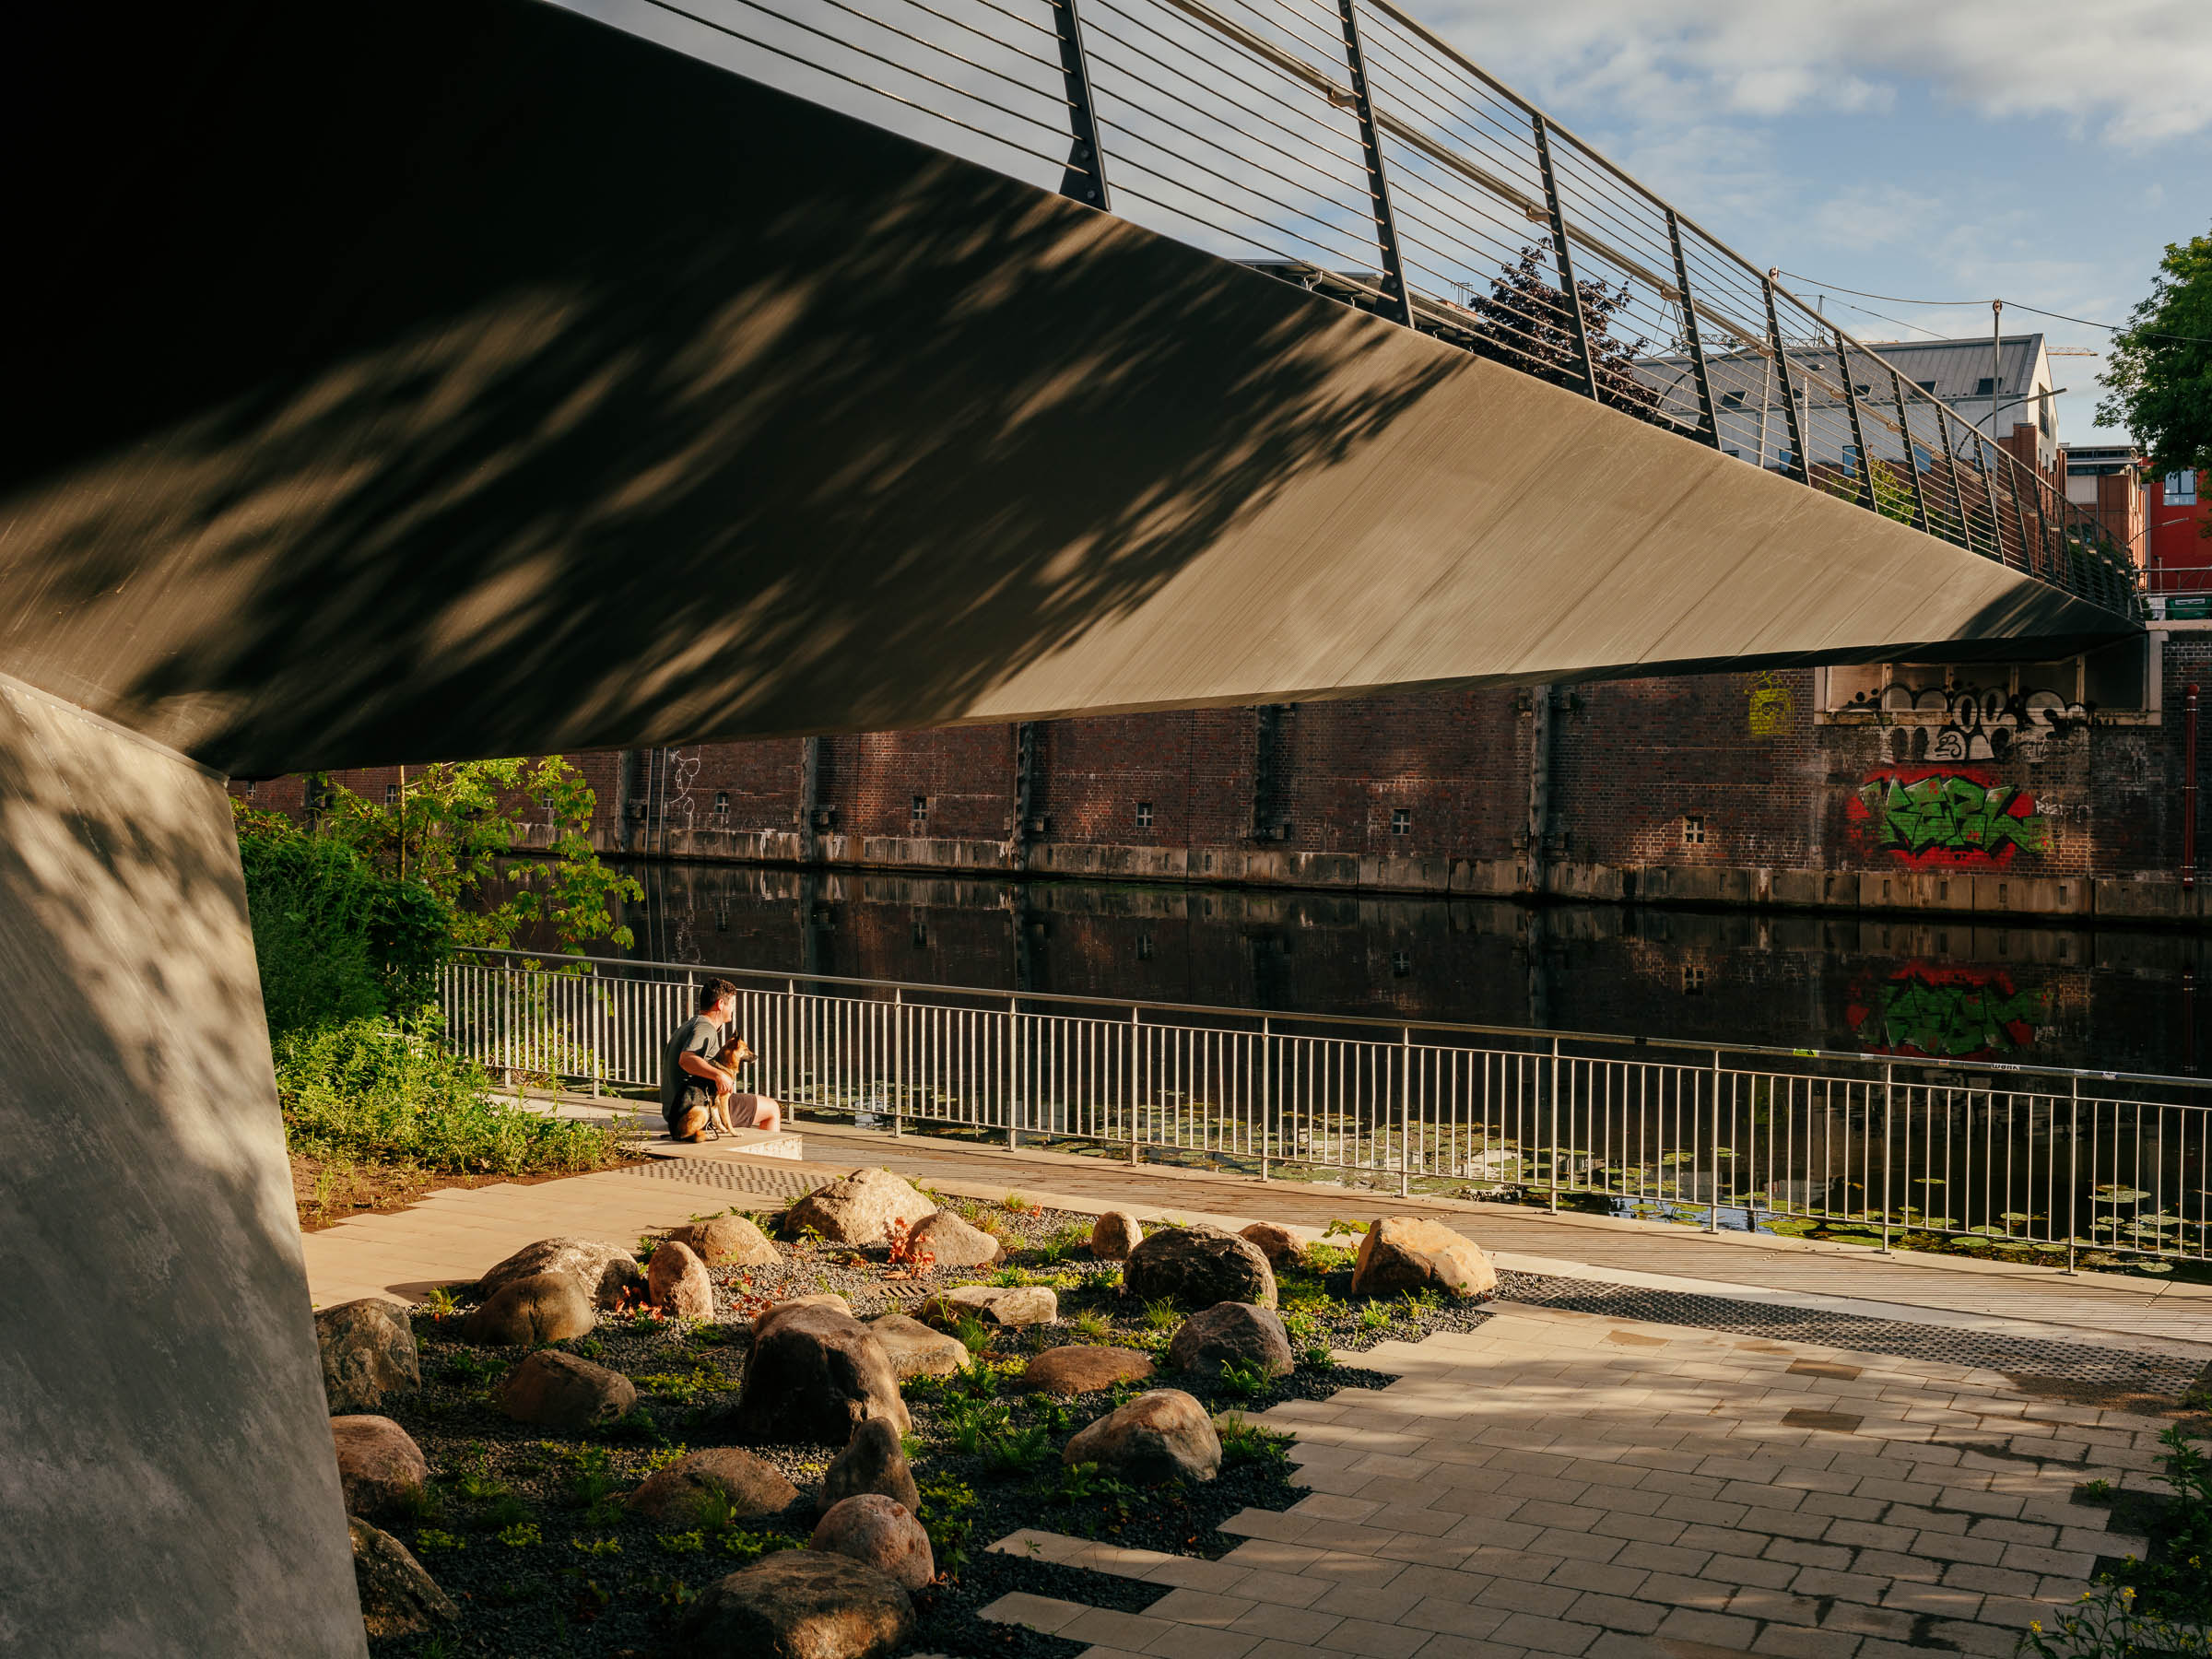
(2101, 999)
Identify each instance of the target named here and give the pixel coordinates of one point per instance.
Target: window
(390, 794)
(919, 811)
(1144, 815)
(2181, 489)
(1983, 387)
(1851, 460)
(919, 932)
(1401, 820)
(1693, 829)
(1401, 963)
(721, 803)
(1144, 947)
(1927, 386)
(1693, 979)
(250, 787)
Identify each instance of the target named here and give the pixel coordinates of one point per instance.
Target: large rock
(676, 1282)
(1159, 1436)
(798, 1604)
(728, 1241)
(1232, 1334)
(604, 1270)
(545, 1306)
(703, 1482)
(876, 1532)
(951, 1242)
(1197, 1267)
(874, 1462)
(814, 1376)
(858, 1209)
(553, 1390)
(1005, 1306)
(820, 1298)
(1113, 1235)
(398, 1598)
(1084, 1369)
(1405, 1253)
(368, 1350)
(1275, 1241)
(916, 1350)
(379, 1466)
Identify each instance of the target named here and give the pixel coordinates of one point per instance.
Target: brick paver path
(1566, 1483)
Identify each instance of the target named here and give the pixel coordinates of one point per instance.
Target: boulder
(823, 1299)
(553, 1390)
(368, 1350)
(1113, 1235)
(1405, 1253)
(872, 1462)
(379, 1466)
(876, 1532)
(1197, 1267)
(814, 1374)
(700, 1480)
(798, 1604)
(1007, 1306)
(1159, 1436)
(676, 1282)
(398, 1598)
(1232, 1334)
(545, 1306)
(602, 1270)
(951, 1242)
(858, 1209)
(1082, 1369)
(729, 1241)
(916, 1350)
(1275, 1241)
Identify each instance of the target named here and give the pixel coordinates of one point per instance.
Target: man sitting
(696, 1094)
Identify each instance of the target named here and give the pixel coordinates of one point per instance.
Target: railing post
(2072, 1165)
(1904, 420)
(1578, 324)
(1136, 1027)
(1798, 458)
(1404, 1111)
(1552, 1124)
(1266, 1090)
(1989, 491)
(2020, 516)
(1889, 1113)
(1020, 1078)
(1395, 287)
(1858, 435)
(1712, 1162)
(1708, 421)
(898, 1061)
(1950, 468)
(1084, 180)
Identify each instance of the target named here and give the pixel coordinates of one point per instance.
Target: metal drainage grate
(2074, 1362)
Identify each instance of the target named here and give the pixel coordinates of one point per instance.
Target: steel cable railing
(1343, 144)
(2039, 1158)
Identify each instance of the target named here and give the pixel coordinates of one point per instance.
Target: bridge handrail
(1379, 165)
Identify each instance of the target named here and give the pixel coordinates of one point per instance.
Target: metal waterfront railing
(1343, 144)
(2061, 1161)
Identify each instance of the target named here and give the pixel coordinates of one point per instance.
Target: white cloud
(2133, 71)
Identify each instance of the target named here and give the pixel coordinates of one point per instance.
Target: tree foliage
(1526, 314)
(2159, 377)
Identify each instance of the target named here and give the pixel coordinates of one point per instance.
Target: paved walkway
(1559, 1484)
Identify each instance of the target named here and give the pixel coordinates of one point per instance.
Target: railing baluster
(1904, 420)
(1708, 425)
(1799, 460)
(1085, 179)
(1577, 323)
(1867, 498)
(1395, 288)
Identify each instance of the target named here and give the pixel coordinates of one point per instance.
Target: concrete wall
(167, 1484)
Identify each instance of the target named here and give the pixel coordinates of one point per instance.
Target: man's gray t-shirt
(697, 1035)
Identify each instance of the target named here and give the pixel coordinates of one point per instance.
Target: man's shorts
(745, 1109)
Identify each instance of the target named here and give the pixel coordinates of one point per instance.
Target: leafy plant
(1247, 1442)
(752, 1545)
(596, 1546)
(1018, 1451)
(974, 1333)
(521, 1534)
(2110, 1623)
(948, 1506)
(1160, 1316)
(683, 1543)
(905, 1255)
(1241, 1381)
(972, 1427)
(1376, 1316)
(438, 1301)
(430, 1537)
(1092, 1325)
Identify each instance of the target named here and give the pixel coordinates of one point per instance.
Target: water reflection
(2102, 998)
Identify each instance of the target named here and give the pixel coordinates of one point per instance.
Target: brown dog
(735, 1052)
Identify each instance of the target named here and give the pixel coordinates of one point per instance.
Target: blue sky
(1929, 149)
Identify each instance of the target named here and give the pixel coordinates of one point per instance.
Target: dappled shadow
(538, 388)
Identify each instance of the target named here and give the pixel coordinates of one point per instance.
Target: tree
(2159, 377)
(1525, 319)
(455, 828)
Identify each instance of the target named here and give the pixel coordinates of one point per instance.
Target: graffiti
(1947, 1014)
(1932, 815)
(1770, 705)
(1979, 724)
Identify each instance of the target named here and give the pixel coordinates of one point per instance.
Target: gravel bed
(524, 1531)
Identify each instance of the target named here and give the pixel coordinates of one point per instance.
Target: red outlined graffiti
(1947, 1012)
(1946, 815)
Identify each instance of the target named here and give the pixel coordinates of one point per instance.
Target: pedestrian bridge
(468, 376)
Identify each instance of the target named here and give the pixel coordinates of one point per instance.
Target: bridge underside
(442, 379)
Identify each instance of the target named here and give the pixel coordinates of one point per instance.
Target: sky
(1934, 149)
(1929, 149)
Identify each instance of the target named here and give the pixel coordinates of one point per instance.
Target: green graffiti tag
(1949, 813)
(1953, 1020)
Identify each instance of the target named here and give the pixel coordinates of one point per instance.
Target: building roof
(1956, 370)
